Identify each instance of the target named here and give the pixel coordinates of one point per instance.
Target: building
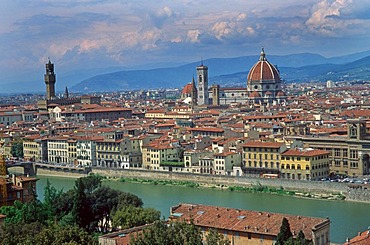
(304, 164)
(250, 227)
(51, 100)
(202, 79)
(225, 161)
(264, 86)
(262, 157)
(349, 155)
(263, 82)
(363, 238)
(50, 80)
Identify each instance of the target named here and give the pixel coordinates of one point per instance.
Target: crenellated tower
(50, 80)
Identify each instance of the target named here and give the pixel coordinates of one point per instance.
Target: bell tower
(50, 80)
(202, 75)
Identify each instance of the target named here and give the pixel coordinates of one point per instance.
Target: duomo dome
(264, 78)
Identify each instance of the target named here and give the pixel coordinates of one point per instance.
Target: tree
(81, 207)
(19, 233)
(103, 201)
(215, 238)
(284, 233)
(91, 182)
(176, 233)
(17, 149)
(130, 216)
(55, 235)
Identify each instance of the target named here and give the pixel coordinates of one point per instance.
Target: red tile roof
(362, 239)
(305, 153)
(260, 144)
(245, 220)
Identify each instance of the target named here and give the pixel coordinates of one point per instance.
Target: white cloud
(193, 36)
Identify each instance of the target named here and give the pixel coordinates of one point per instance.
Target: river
(347, 218)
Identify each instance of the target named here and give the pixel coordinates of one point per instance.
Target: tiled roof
(362, 239)
(245, 220)
(305, 153)
(261, 144)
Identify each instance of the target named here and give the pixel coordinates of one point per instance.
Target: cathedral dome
(187, 89)
(263, 71)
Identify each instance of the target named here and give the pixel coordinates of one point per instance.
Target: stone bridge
(30, 168)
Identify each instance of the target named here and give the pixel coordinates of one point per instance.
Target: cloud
(160, 17)
(327, 17)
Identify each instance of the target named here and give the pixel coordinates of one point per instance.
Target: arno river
(347, 218)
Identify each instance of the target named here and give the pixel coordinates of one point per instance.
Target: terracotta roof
(305, 153)
(362, 239)
(245, 220)
(260, 144)
(187, 89)
(263, 71)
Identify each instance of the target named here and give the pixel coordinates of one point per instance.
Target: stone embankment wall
(59, 173)
(304, 186)
(360, 195)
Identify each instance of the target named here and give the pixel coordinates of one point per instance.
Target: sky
(80, 34)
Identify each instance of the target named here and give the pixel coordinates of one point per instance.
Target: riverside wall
(305, 186)
(353, 194)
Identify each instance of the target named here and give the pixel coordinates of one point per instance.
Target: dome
(187, 89)
(263, 71)
(280, 94)
(254, 94)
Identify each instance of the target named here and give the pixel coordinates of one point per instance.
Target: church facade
(263, 87)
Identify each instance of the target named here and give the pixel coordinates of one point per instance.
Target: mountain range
(233, 72)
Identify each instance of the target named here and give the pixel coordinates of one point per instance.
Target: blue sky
(78, 34)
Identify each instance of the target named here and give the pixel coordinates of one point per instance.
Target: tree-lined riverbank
(347, 218)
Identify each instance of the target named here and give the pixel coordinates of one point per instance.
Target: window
(337, 152)
(353, 154)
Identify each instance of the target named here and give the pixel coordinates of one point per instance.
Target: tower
(202, 76)
(194, 93)
(66, 93)
(50, 80)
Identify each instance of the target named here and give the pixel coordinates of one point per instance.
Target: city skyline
(144, 34)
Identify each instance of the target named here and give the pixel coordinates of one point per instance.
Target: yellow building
(306, 164)
(262, 157)
(32, 148)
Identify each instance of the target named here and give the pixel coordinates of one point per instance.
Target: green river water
(347, 218)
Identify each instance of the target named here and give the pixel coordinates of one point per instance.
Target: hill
(232, 71)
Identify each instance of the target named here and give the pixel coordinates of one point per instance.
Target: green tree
(91, 182)
(215, 238)
(19, 233)
(13, 213)
(51, 195)
(103, 201)
(130, 216)
(81, 207)
(17, 149)
(177, 233)
(284, 233)
(55, 235)
(25, 212)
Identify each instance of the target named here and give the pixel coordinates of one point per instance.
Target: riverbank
(301, 189)
(257, 188)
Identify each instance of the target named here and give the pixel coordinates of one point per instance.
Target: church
(51, 100)
(263, 87)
